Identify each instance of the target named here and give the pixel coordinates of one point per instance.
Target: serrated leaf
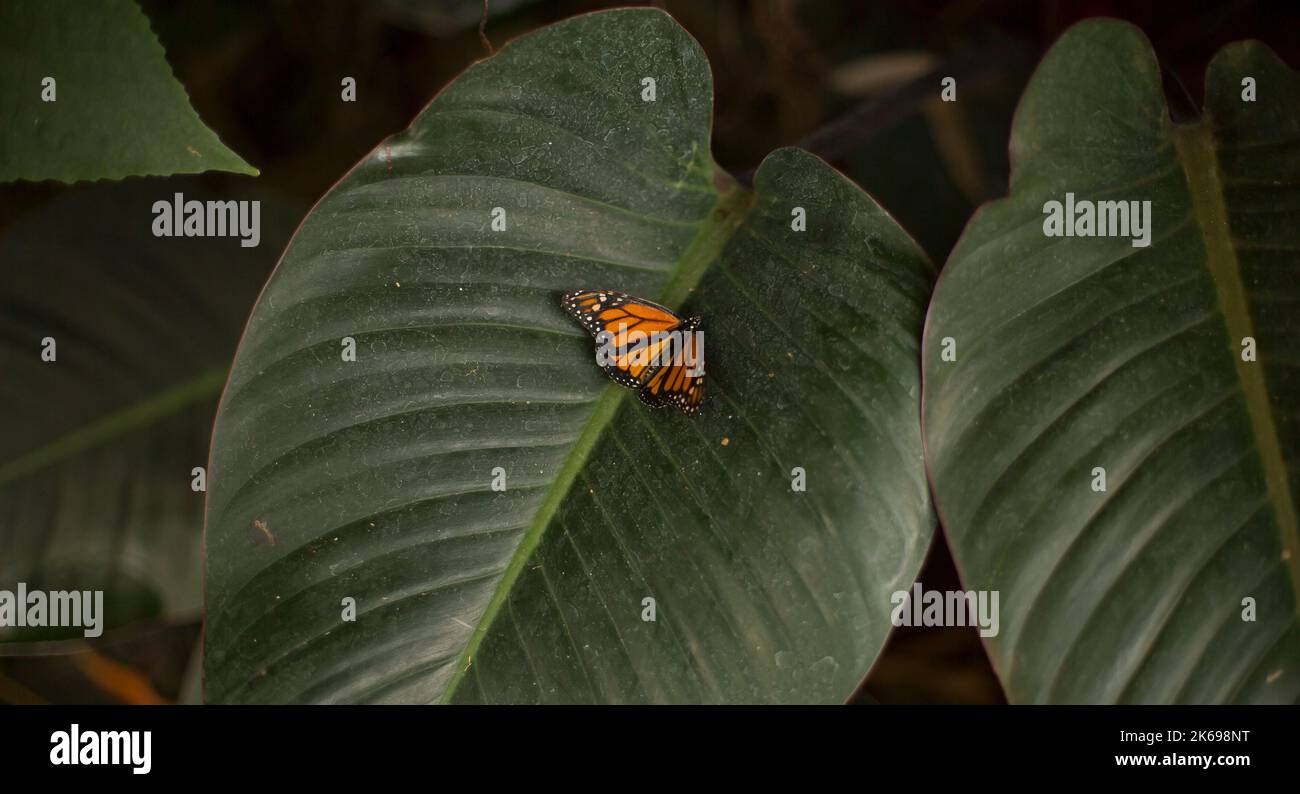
(117, 111)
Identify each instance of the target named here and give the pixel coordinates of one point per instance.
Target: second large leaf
(1111, 419)
(507, 524)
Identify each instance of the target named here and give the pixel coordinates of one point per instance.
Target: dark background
(856, 82)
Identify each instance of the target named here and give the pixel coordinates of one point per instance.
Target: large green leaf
(1077, 353)
(373, 477)
(117, 110)
(99, 444)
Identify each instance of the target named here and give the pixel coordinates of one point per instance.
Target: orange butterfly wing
(643, 348)
(630, 325)
(680, 382)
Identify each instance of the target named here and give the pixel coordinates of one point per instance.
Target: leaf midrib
(144, 413)
(728, 213)
(1197, 153)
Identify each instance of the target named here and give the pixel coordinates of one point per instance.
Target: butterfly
(643, 346)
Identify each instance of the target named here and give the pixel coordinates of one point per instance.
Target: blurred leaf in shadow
(99, 445)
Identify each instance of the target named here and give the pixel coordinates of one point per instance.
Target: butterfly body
(643, 346)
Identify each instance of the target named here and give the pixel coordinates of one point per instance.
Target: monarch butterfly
(643, 346)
